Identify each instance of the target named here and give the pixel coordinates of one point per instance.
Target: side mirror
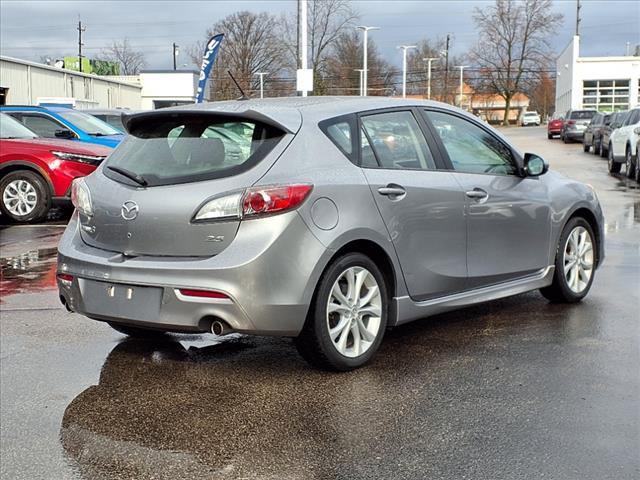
(64, 133)
(534, 166)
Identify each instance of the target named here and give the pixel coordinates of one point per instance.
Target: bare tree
(346, 56)
(131, 61)
(543, 95)
(513, 42)
(251, 44)
(326, 20)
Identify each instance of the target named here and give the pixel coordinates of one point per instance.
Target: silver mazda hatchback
(325, 219)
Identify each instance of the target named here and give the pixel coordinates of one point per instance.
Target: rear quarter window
(341, 131)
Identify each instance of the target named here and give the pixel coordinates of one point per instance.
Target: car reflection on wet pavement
(516, 388)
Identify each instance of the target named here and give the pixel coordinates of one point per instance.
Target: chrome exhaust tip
(220, 328)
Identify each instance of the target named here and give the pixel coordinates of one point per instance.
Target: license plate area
(119, 300)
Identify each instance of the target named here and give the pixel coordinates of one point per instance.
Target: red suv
(554, 127)
(36, 173)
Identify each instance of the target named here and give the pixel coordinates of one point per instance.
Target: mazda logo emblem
(130, 210)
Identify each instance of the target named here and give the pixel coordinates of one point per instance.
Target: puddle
(29, 272)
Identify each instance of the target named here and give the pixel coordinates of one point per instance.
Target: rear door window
(166, 151)
(396, 141)
(44, 126)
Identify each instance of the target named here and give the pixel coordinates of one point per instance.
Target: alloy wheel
(354, 310)
(578, 259)
(20, 197)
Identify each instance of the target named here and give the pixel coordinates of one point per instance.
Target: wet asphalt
(513, 389)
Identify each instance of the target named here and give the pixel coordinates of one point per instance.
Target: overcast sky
(30, 29)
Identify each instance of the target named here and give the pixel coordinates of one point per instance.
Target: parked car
(65, 123)
(554, 127)
(530, 118)
(351, 215)
(593, 134)
(36, 173)
(575, 123)
(112, 116)
(623, 144)
(615, 121)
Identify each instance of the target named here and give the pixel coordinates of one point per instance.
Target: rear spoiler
(288, 119)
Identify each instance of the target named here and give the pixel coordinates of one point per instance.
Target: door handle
(477, 194)
(392, 191)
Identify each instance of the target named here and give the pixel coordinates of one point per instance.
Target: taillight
(80, 197)
(189, 292)
(268, 200)
(253, 202)
(571, 122)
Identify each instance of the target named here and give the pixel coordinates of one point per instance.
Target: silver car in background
(335, 219)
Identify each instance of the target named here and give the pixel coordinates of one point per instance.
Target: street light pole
(175, 55)
(461, 67)
(361, 71)
(303, 7)
(429, 60)
(261, 75)
(365, 30)
(404, 49)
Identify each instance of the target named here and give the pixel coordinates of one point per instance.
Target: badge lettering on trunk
(215, 238)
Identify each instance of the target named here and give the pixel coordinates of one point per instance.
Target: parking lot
(515, 388)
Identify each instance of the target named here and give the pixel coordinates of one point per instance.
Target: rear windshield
(582, 115)
(166, 151)
(90, 124)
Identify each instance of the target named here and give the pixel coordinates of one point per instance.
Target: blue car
(64, 122)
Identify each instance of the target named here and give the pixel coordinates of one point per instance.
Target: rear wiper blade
(98, 134)
(139, 179)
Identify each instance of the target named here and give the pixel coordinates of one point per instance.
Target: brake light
(268, 200)
(189, 292)
(253, 202)
(80, 197)
(571, 122)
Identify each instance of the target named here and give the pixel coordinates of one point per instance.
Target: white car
(623, 144)
(530, 118)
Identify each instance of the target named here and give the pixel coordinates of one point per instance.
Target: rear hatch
(145, 196)
(581, 118)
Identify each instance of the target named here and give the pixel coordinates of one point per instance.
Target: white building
(165, 88)
(602, 83)
(28, 83)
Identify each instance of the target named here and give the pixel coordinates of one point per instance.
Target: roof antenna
(244, 96)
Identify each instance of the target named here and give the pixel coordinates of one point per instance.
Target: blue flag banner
(210, 53)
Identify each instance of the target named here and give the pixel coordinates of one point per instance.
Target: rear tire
(136, 332)
(549, 136)
(586, 148)
(574, 264)
(631, 165)
(24, 196)
(345, 324)
(614, 167)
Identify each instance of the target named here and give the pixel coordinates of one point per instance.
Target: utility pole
(578, 7)
(461, 67)
(302, 42)
(176, 51)
(404, 49)
(446, 69)
(261, 75)
(81, 29)
(365, 67)
(429, 60)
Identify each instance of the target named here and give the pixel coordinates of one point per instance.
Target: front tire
(136, 332)
(574, 265)
(24, 196)
(348, 316)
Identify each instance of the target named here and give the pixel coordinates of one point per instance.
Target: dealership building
(29, 83)
(603, 83)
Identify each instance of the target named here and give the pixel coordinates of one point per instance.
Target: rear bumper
(574, 134)
(268, 273)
